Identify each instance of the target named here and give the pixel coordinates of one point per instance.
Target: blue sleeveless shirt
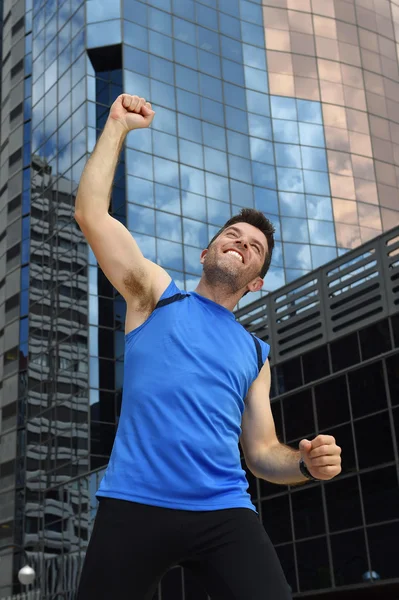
(188, 369)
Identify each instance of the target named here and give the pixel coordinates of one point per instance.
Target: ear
(255, 285)
(203, 254)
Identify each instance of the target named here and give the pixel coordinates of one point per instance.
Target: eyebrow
(238, 230)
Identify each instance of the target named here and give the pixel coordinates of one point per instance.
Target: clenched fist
(132, 112)
(322, 456)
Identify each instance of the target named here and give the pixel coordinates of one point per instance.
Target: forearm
(95, 186)
(279, 464)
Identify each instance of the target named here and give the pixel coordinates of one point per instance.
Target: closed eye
(257, 248)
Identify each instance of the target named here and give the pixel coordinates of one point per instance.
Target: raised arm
(140, 281)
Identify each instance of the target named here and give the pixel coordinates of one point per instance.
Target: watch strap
(305, 471)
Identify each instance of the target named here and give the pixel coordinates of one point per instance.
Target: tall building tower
(289, 106)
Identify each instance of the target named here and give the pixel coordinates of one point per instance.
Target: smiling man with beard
(196, 384)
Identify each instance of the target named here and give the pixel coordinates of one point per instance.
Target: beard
(225, 272)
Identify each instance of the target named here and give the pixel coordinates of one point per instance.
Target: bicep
(121, 259)
(258, 429)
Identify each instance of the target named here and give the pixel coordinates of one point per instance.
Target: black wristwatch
(305, 471)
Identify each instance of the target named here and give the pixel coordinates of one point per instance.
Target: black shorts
(133, 545)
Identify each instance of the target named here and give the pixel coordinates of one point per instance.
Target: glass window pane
(261, 150)
(231, 49)
(211, 87)
(322, 232)
(190, 128)
(184, 31)
(160, 21)
(217, 187)
(290, 180)
(319, 207)
(236, 119)
(161, 69)
(162, 94)
(139, 164)
(235, 96)
(260, 126)
(238, 143)
(255, 79)
(252, 34)
(266, 201)
(216, 161)
(292, 205)
(314, 158)
(241, 193)
(311, 135)
(192, 180)
(309, 111)
(168, 226)
(167, 198)
(166, 171)
(294, 230)
(208, 40)
(184, 8)
(214, 136)
(240, 168)
(229, 25)
(188, 103)
(376, 427)
(341, 514)
(135, 35)
(140, 191)
(258, 103)
(322, 255)
(170, 254)
(233, 72)
(166, 120)
(218, 212)
(206, 16)
(191, 154)
(192, 262)
(193, 206)
(283, 108)
(160, 44)
(195, 233)
(288, 155)
(186, 54)
(209, 63)
(212, 111)
(316, 182)
(264, 175)
(297, 256)
(165, 145)
(141, 219)
(187, 79)
(285, 131)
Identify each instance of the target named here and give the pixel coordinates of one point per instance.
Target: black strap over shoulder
(258, 352)
(178, 297)
(171, 299)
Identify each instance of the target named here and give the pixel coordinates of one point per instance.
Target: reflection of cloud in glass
(260, 126)
(316, 182)
(294, 230)
(283, 108)
(319, 207)
(193, 206)
(241, 193)
(369, 216)
(258, 103)
(292, 205)
(139, 164)
(192, 283)
(192, 262)
(195, 233)
(262, 151)
(277, 259)
(322, 232)
(170, 254)
(215, 161)
(322, 254)
(264, 175)
(293, 274)
(165, 145)
(348, 236)
(290, 179)
(309, 111)
(240, 168)
(217, 187)
(191, 154)
(146, 244)
(314, 158)
(266, 200)
(168, 226)
(192, 179)
(297, 256)
(275, 278)
(141, 219)
(167, 198)
(285, 131)
(288, 155)
(218, 212)
(140, 191)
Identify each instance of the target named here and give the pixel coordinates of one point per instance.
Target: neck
(221, 294)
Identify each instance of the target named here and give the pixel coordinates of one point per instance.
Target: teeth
(234, 253)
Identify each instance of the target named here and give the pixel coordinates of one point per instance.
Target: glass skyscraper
(289, 106)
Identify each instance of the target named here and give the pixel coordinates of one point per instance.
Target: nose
(243, 242)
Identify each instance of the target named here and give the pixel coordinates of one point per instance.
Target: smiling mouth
(236, 254)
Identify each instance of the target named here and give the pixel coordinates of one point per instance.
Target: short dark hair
(257, 219)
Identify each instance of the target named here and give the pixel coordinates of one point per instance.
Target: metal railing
(348, 293)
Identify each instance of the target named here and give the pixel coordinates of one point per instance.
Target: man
(196, 383)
